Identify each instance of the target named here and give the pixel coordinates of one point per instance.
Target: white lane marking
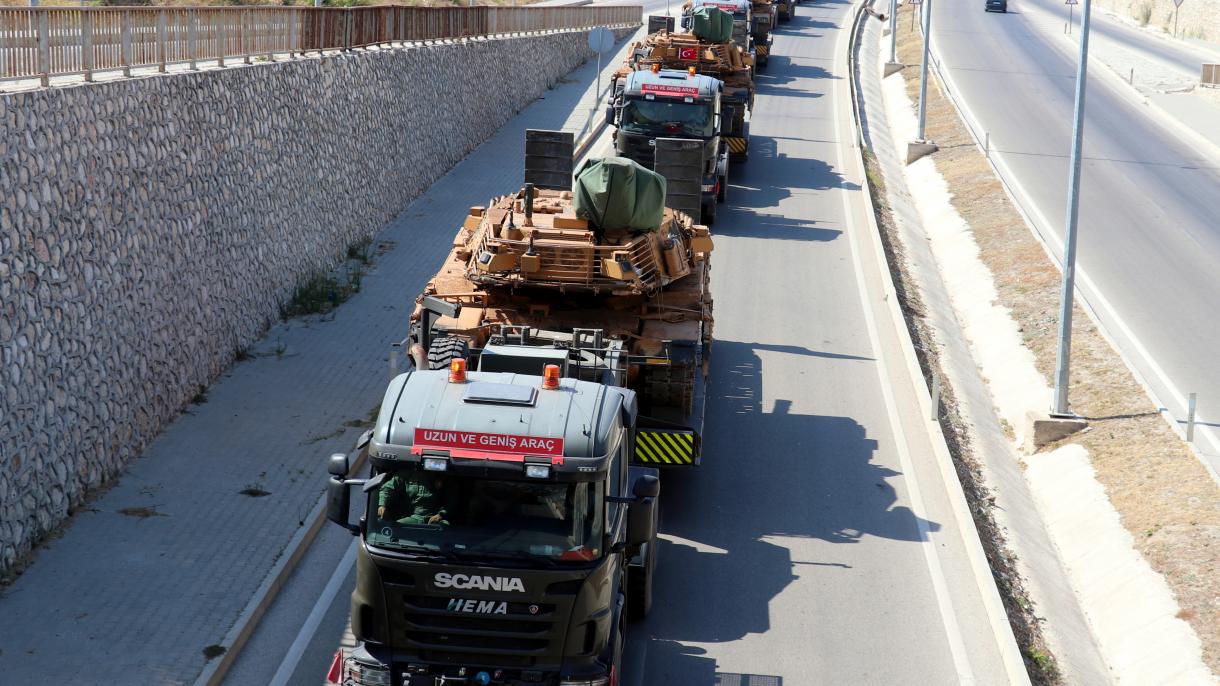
(1093, 299)
(288, 666)
(953, 632)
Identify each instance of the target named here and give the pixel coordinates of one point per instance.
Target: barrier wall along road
(37, 42)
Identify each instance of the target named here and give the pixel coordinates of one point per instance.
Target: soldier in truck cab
(412, 497)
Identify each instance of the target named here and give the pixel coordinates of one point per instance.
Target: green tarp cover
(617, 193)
(712, 24)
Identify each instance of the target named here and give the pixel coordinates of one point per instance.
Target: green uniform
(410, 499)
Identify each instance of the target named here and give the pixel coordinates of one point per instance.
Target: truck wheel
(445, 349)
(709, 213)
(639, 584)
(723, 193)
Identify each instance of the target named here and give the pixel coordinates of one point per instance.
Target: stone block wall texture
(150, 228)
(1196, 18)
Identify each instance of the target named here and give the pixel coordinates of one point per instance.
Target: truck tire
(723, 193)
(708, 213)
(445, 349)
(639, 584)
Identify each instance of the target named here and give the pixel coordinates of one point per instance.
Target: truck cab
(505, 536)
(669, 103)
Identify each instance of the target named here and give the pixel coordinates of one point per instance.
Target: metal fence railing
(1210, 76)
(38, 42)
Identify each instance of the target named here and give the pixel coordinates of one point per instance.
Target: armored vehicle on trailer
(742, 12)
(509, 524)
(649, 104)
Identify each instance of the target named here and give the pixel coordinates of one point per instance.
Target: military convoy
(509, 519)
(559, 360)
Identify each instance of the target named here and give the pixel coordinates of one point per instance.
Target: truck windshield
(668, 117)
(420, 511)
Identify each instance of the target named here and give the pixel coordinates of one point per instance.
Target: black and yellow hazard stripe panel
(737, 145)
(659, 447)
(762, 50)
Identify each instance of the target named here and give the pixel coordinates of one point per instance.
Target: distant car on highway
(997, 6)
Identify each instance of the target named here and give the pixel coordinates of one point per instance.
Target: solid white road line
(288, 666)
(953, 632)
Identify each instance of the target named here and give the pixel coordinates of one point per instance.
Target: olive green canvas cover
(712, 24)
(616, 193)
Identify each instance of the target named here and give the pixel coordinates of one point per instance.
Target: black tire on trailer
(445, 349)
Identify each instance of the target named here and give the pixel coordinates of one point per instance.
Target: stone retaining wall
(150, 228)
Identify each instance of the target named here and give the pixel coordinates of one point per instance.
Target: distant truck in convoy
(509, 517)
(742, 12)
(653, 103)
(763, 18)
(784, 9)
(722, 60)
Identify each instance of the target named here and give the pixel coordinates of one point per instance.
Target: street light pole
(923, 72)
(893, 31)
(1063, 356)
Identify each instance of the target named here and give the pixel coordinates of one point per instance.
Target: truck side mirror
(609, 115)
(338, 502)
(338, 465)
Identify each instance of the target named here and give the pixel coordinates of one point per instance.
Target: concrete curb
(214, 672)
(1014, 664)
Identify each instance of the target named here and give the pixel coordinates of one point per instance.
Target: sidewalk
(143, 587)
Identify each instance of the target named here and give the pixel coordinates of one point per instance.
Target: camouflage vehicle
(509, 517)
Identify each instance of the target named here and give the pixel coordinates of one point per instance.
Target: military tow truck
(762, 23)
(784, 9)
(648, 104)
(721, 60)
(510, 513)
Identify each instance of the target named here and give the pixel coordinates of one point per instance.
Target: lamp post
(1063, 356)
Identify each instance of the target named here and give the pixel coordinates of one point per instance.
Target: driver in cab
(412, 497)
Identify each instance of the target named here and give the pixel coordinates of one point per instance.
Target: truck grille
(433, 626)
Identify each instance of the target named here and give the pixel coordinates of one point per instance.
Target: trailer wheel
(445, 349)
(639, 584)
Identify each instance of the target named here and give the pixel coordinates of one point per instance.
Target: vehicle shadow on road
(782, 70)
(767, 474)
(671, 662)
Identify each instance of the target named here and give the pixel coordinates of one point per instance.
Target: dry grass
(1163, 495)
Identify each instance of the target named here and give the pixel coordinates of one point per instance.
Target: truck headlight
(358, 674)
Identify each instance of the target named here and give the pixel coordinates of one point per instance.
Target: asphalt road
(817, 543)
(1149, 236)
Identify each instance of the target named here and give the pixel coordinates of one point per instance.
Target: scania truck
(507, 524)
(668, 103)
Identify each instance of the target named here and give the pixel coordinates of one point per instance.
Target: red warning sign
(668, 91)
(503, 444)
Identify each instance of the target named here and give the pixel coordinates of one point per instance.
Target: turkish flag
(336, 668)
(688, 53)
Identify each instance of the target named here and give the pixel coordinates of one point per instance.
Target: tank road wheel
(445, 349)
